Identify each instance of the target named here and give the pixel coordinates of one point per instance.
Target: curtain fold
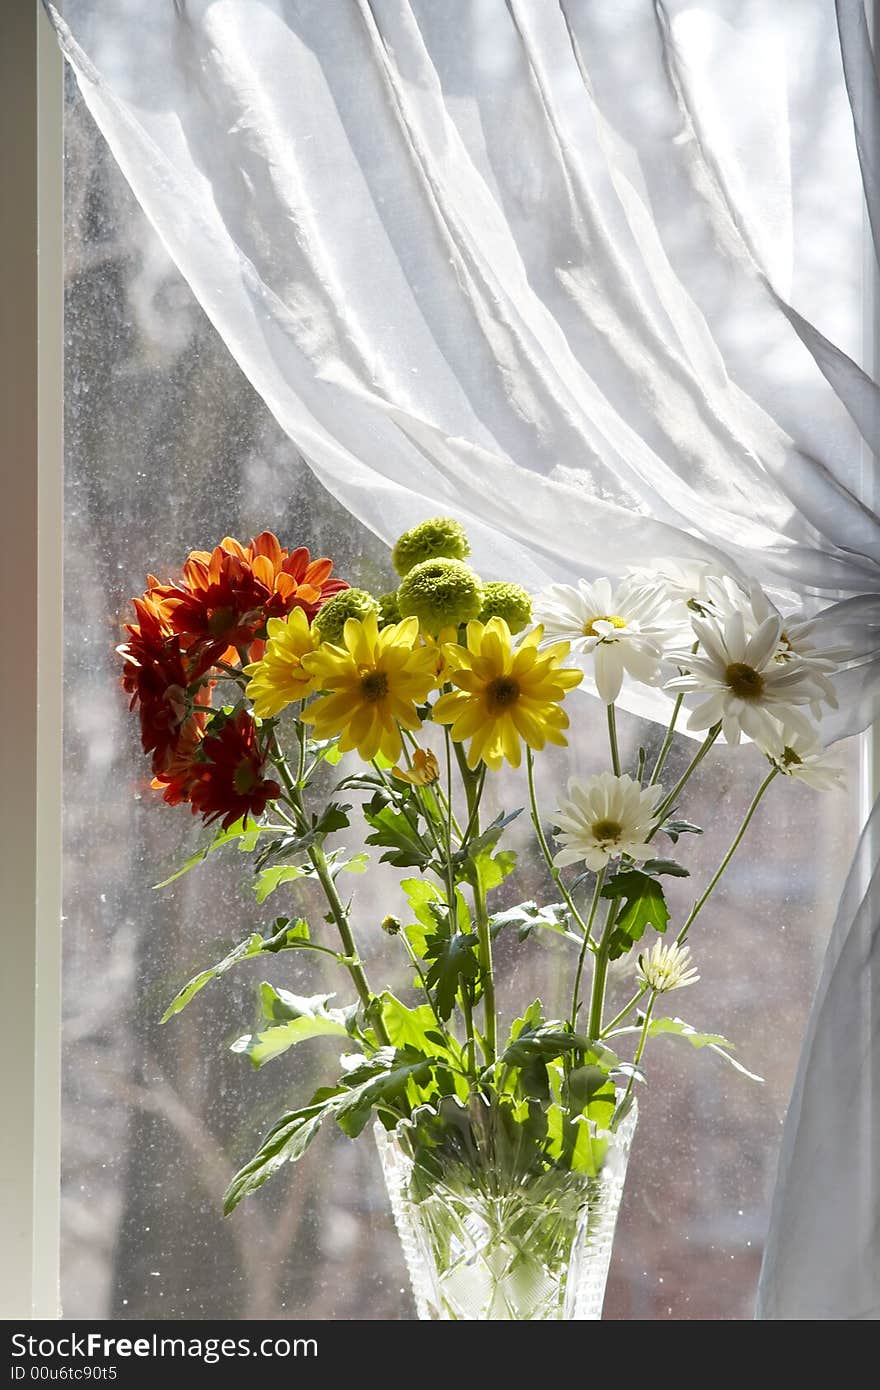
(585, 273)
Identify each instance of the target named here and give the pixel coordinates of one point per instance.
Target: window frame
(31, 381)
(31, 704)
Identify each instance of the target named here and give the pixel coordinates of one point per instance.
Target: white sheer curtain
(587, 274)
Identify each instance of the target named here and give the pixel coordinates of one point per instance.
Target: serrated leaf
(644, 905)
(391, 830)
(542, 1040)
(490, 870)
(338, 864)
(287, 937)
(333, 817)
(246, 835)
(286, 1142)
(454, 962)
(293, 1019)
(675, 828)
(526, 917)
(715, 1042)
(655, 867)
(414, 1027)
(385, 1078)
(268, 880)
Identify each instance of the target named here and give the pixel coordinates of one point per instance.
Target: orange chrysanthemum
(227, 595)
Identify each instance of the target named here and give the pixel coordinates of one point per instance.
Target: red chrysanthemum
(164, 683)
(227, 595)
(228, 775)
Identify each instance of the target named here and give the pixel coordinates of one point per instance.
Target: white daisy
(747, 690)
(604, 817)
(624, 629)
(666, 967)
(803, 758)
(685, 581)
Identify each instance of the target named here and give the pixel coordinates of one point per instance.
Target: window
(168, 448)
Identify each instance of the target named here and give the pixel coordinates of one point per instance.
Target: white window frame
(31, 632)
(31, 640)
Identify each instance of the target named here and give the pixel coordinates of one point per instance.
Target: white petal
(608, 671)
(763, 644)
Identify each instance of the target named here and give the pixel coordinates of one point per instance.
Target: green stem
(600, 973)
(667, 742)
(334, 902)
(701, 902)
(612, 739)
(623, 1013)
(669, 801)
(473, 786)
(643, 1038)
(575, 994)
(555, 873)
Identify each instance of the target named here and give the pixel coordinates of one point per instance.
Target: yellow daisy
(280, 678)
(373, 685)
(505, 693)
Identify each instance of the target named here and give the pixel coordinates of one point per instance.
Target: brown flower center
(220, 621)
(745, 682)
(613, 618)
(790, 758)
(605, 830)
(502, 692)
(374, 686)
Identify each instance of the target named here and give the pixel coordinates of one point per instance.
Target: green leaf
(246, 835)
(287, 937)
(488, 838)
(294, 1019)
(326, 750)
(415, 1028)
(675, 828)
(547, 1040)
(490, 870)
(383, 1078)
(432, 913)
(714, 1041)
(286, 1142)
(644, 905)
(268, 880)
(338, 864)
(454, 961)
(525, 917)
(655, 867)
(251, 946)
(584, 1082)
(403, 847)
(333, 817)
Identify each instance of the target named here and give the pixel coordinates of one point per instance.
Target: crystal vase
(483, 1242)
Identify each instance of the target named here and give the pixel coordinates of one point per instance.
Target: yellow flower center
(745, 682)
(374, 686)
(613, 618)
(605, 830)
(502, 692)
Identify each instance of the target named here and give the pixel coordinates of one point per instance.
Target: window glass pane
(167, 449)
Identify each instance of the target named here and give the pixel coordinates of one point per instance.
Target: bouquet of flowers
(504, 1142)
